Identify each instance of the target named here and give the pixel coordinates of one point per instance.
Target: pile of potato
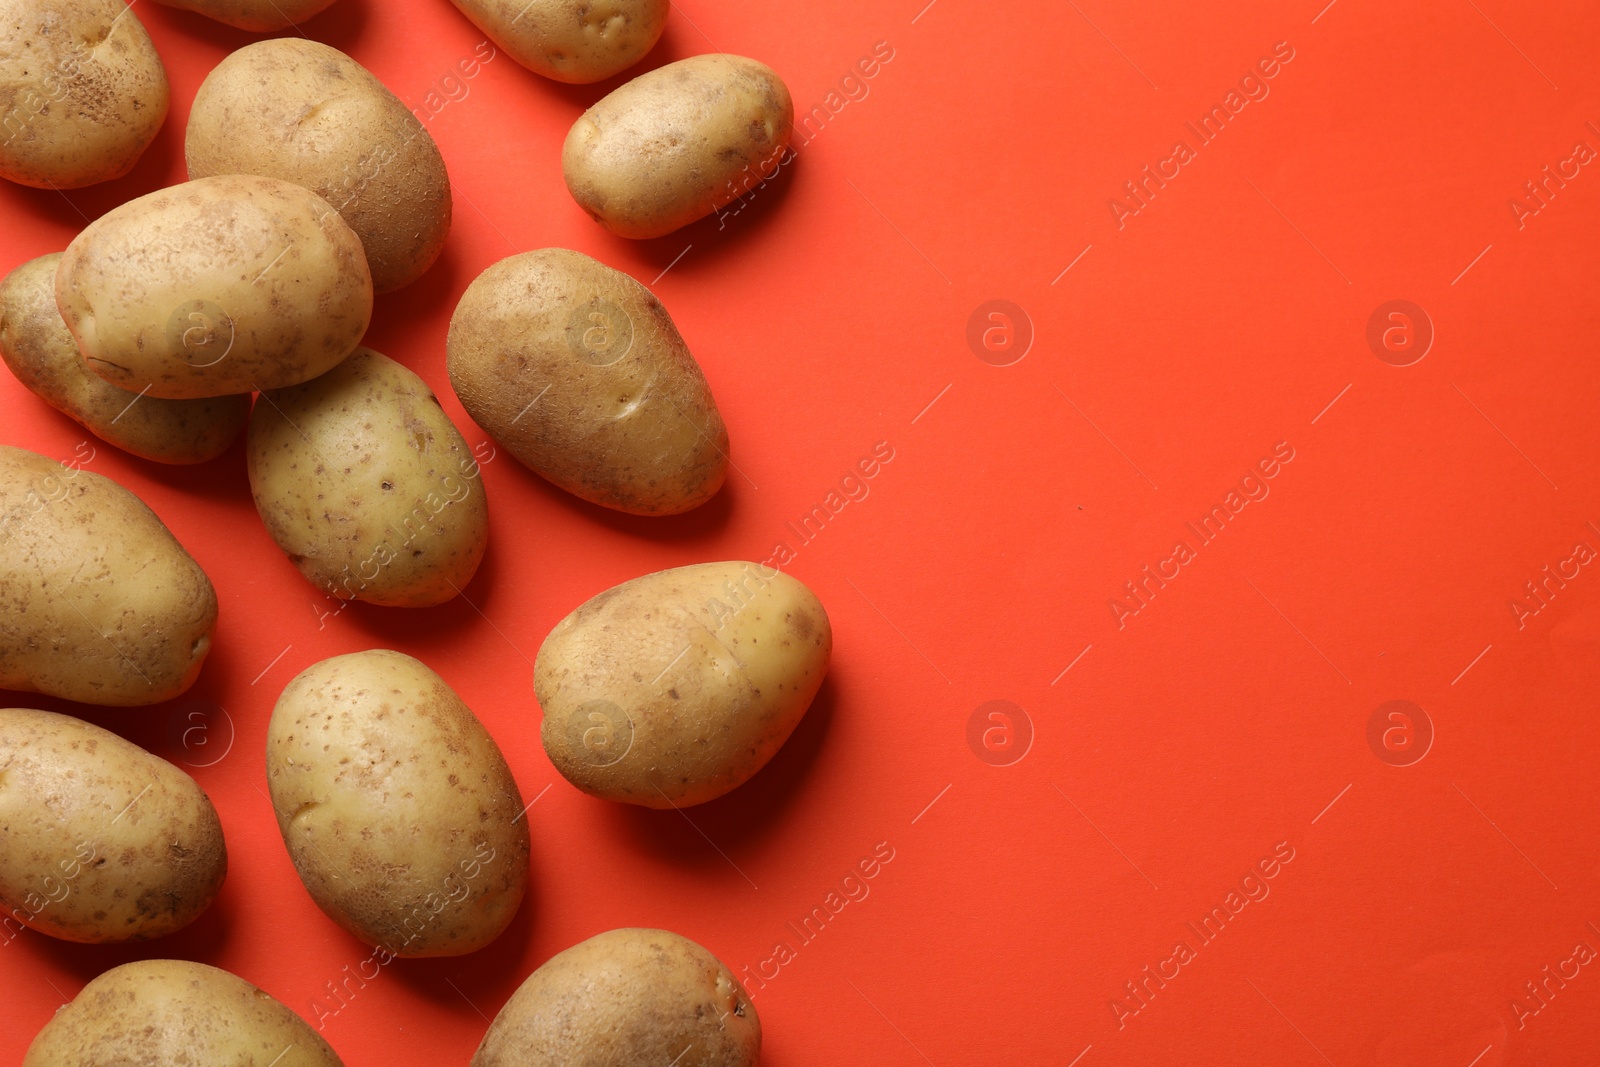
(238, 301)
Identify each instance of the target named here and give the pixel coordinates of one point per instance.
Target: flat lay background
(1069, 379)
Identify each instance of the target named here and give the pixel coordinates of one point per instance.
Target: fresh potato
(574, 41)
(258, 16)
(626, 997)
(100, 603)
(397, 808)
(579, 372)
(103, 841)
(675, 688)
(173, 1013)
(676, 144)
(305, 113)
(216, 286)
(36, 345)
(368, 486)
(82, 91)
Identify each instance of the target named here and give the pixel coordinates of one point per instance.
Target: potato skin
(217, 286)
(580, 373)
(675, 144)
(100, 841)
(302, 112)
(163, 1013)
(103, 604)
(74, 113)
(368, 486)
(397, 808)
(36, 345)
(573, 41)
(257, 16)
(629, 996)
(675, 688)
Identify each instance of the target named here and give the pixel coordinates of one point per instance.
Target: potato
(101, 604)
(103, 841)
(173, 1012)
(676, 144)
(574, 41)
(305, 113)
(626, 997)
(368, 486)
(397, 808)
(257, 16)
(36, 345)
(216, 286)
(677, 687)
(579, 372)
(82, 91)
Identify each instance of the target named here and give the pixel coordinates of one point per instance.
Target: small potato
(217, 286)
(174, 1013)
(36, 345)
(397, 808)
(677, 687)
(305, 113)
(630, 996)
(578, 370)
(100, 603)
(676, 144)
(103, 841)
(368, 486)
(257, 16)
(574, 41)
(82, 91)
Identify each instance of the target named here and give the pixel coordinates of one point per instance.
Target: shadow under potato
(338, 26)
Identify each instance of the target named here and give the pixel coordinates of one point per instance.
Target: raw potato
(677, 687)
(368, 486)
(626, 997)
(397, 808)
(36, 345)
(305, 113)
(678, 143)
(216, 286)
(579, 372)
(574, 41)
(82, 91)
(101, 604)
(103, 842)
(173, 1013)
(258, 16)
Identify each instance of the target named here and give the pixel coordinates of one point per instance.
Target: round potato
(36, 345)
(368, 486)
(397, 807)
(677, 687)
(573, 41)
(676, 144)
(257, 16)
(173, 1012)
(101, 604)
(82, 91)
(103, 841)
(626, 996)
(305, 113)
(579, 372)
(217, 286)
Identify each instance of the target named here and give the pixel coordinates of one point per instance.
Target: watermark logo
(1400, 333)
(999, 332)
(200, 333)
(602, 730)
(1400, 733)
(599, 333)
(999, 733)
(200, 732)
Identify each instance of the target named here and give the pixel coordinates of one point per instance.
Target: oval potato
(573, 41)
(257, 16)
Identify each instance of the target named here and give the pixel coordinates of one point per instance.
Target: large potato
(368, 486)
(103, 841)
(675, 688)
(173, 1013)
(302, 112)
(676, 144)
(82, 91)
(397, 807)
(258, 16)
(36, 345)
(100, 603)
(574, 41)
(216, 286)
(647, 997)
(578, 370)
